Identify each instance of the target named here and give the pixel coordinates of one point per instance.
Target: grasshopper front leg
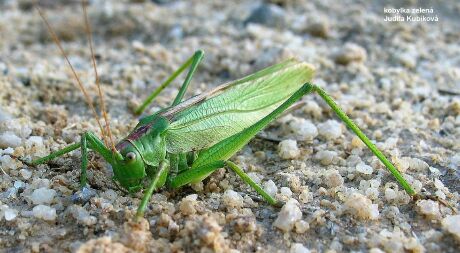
(88, 141)
(156, 182)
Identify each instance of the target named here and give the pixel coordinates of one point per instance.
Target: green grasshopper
(186, 142)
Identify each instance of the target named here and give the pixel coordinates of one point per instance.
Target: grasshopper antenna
(93, 59)
(80, 85)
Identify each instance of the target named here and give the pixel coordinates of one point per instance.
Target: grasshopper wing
(206, 119)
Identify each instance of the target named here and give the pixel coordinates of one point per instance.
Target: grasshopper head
(128, 167)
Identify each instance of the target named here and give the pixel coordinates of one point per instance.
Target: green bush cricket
(186, 142)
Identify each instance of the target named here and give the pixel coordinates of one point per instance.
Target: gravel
(399, 81)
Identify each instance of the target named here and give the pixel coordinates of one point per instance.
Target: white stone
(44, 212)
(290, 213)
(455, 162)
(19, 184)
(25, 173)
(439, 184)
(83, 216)
(8, 151)
(9, 139)
(298, 248)
(255, 177)
(312, 108)
(10, 214)
(286, 191)
(34, 141)
(429, 208)
(451, 224)
(287, 149)
(376, 250)
(303, 129)
(330, 129)
(271, 188)
(326, 157)
(390, 194)
(43, 195)
(8, 162)
(350, 53)
(301, 226)
(305, 196)
(440, 194)
(187, 204)
(232, 199)
(364, 168)
(418, 165)
(361, 207)
(333, 179)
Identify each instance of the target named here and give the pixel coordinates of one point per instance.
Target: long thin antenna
(80, 85)
(93, 58)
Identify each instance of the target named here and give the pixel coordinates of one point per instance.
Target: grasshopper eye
(131, 156)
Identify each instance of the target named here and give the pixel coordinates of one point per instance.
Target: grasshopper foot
(279, 204)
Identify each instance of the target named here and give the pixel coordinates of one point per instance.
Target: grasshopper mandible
(187, 141)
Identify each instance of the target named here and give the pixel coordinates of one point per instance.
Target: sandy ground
(400, 81)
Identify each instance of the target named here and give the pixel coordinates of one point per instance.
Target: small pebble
(19, 184)
(232, 199)
(8, 162)
(429, 208)
(390, 194)
(319, 28)
(25, 173)
(312, 108)
(326, 157)
(333, 179)
(187, 205)
(330, 129)
(298, 248)
(82, 216)
(43, 196)
(361, 207)
(255, 177)
(44, 212)
(34, 141)
(10, 214)
(290, 213)
(305, 196)
(271, 188)
(288, 149)
(301, 226)
(351, 53)
(83, 195)
(364, 169)
(267, 14)
(9, 139)
(286, 191)
(303, 129)
(451, 224)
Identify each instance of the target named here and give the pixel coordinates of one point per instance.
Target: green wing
(230, 108)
